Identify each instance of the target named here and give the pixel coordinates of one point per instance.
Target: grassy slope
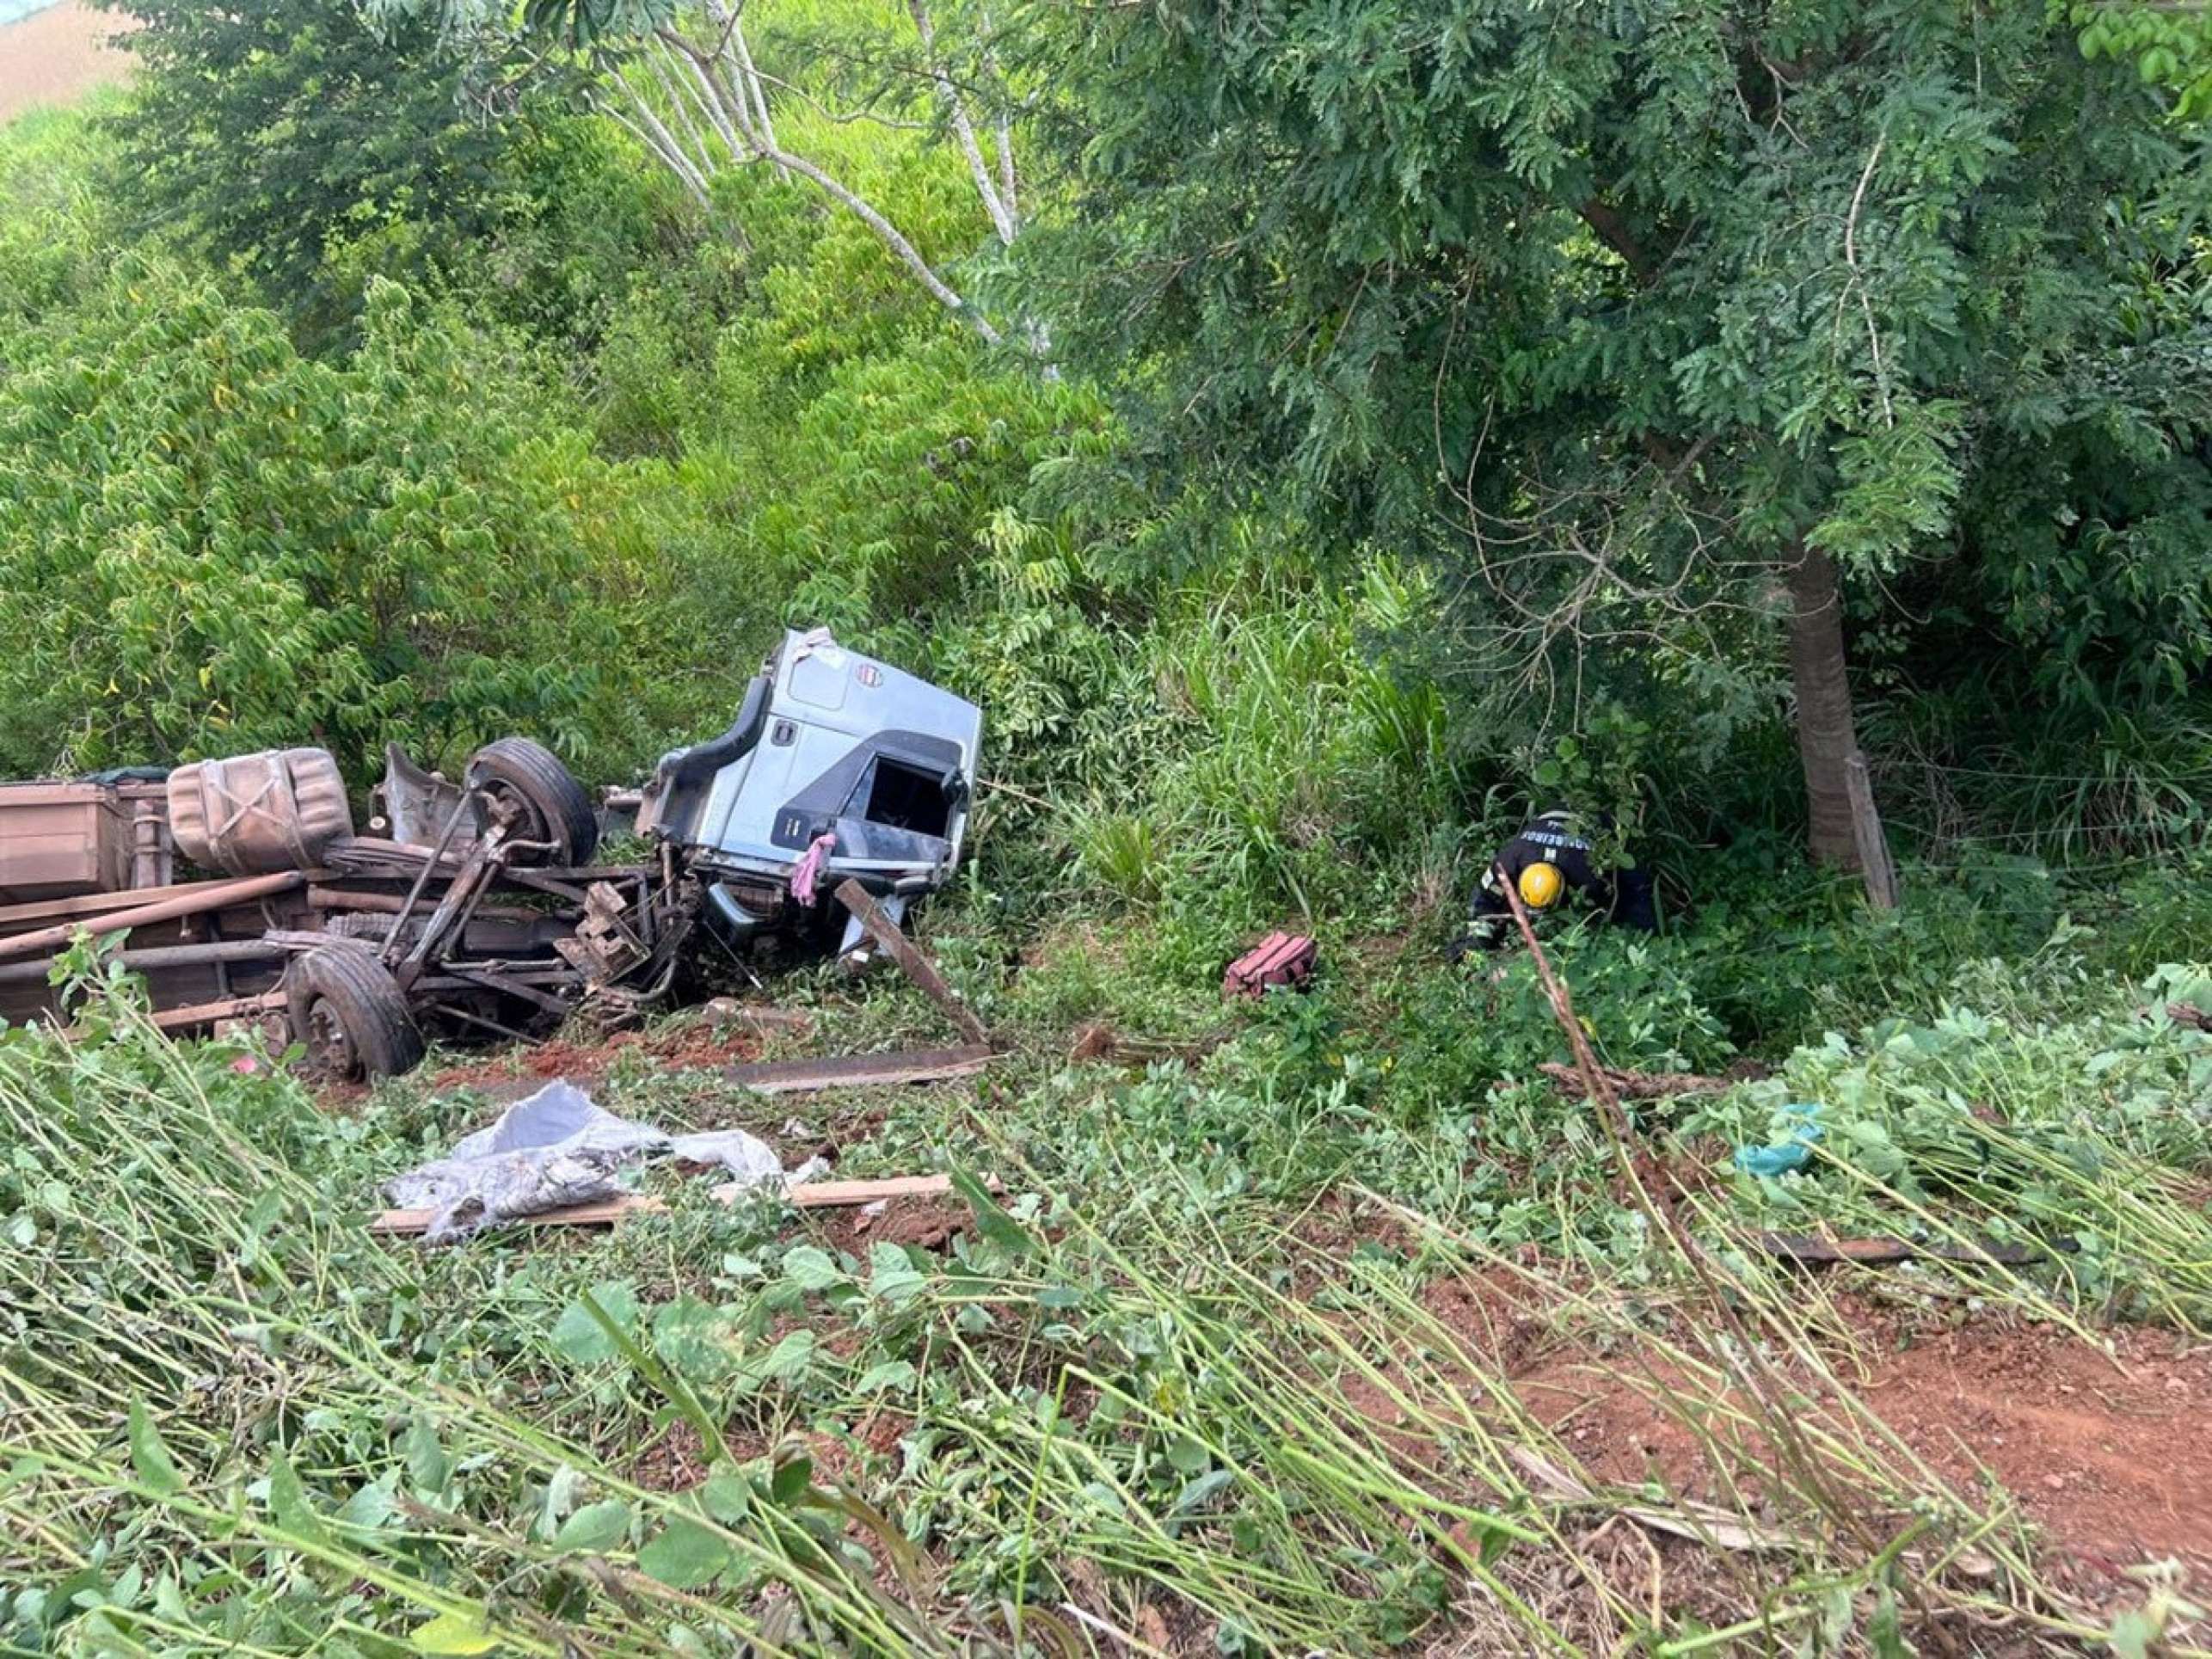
(1296, 1349)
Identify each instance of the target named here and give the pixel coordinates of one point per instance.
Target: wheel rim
(528, 823)
(330, 1045)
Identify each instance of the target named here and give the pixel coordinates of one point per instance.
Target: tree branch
(1605, 219)
(963, 130)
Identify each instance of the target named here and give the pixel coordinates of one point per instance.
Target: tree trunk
(1826, 739)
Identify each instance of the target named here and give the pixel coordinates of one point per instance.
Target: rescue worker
(1546, 861)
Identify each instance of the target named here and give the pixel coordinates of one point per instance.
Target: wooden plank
(808, 1196)
(603, 1213)
(207, 1013)
(859, 1071)
(912, 959)
(850, 1195)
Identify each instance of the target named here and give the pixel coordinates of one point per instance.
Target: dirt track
(57, 56)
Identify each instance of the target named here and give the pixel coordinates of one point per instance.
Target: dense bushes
(572, 472)
(215, 544)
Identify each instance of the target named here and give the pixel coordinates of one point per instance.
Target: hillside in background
(53, 55)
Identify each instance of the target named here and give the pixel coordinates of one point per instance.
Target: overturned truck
(475, 906)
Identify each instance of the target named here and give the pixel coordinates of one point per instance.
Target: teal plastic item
(1800, 1120)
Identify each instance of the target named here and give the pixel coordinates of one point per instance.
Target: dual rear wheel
(343, 1004)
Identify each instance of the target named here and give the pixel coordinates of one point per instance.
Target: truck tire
(554, 807)
(349, 1011)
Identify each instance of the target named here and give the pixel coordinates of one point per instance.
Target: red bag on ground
(1279, 959)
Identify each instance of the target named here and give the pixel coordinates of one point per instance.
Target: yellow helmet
(1540, 885)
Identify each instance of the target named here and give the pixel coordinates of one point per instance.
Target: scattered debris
(1285, 959)
(860, 1071)
(1797, 1125)
(1640, 1086)
(1687, 1518)
(1099, 1040)
(759, 1018)
(558, 1149)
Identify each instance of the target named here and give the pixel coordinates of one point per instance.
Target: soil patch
(515, 1072)
(2111, 1462)
(56, 56)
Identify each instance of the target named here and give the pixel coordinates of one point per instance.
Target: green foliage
(214, 545)
(273, 133)
(2170, 46)
(1926, 289)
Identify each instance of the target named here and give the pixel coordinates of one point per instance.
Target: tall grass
(1135, 1411)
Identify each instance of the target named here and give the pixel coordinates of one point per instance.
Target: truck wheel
(553, 805)
(348, 1009)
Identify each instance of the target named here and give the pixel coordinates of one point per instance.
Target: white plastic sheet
(559, 1147)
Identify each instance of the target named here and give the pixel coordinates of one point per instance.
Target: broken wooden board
(913, 961)
(859, 1071)
(1813, 1247)
(848, 1194)
(1641, 1085)
(604, 1212)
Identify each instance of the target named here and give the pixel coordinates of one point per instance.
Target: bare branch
(649, 130)
(964, 129)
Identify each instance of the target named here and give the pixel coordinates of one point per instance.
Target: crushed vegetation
(1335, 1337)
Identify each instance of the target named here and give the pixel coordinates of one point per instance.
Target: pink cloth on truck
(809, 869)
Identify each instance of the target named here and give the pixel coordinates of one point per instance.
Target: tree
(213, 544)
(1666, 327)
(685, 82)
(269, 130)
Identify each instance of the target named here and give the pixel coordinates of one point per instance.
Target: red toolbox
(1279, 959)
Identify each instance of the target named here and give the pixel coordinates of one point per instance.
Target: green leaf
(792, 1478)
(598, 1525)
(726, 1493)
(1188, 1457)
(789, 1361)
(811, 1268)
(288, 1502)
(695, 1338)
(892, 1276)
(428, 1468)
(891, 1374)
(992, 1223)
(157, 1469)
(455, 1633)
(579, 1337)
(1200, 1490)
(685, 1556)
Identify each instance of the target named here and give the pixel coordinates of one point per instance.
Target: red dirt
(2111, 1462)
(56, 56)
(682, 1048)
(921, 1222)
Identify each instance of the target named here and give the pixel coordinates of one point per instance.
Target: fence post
(1874, 862)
